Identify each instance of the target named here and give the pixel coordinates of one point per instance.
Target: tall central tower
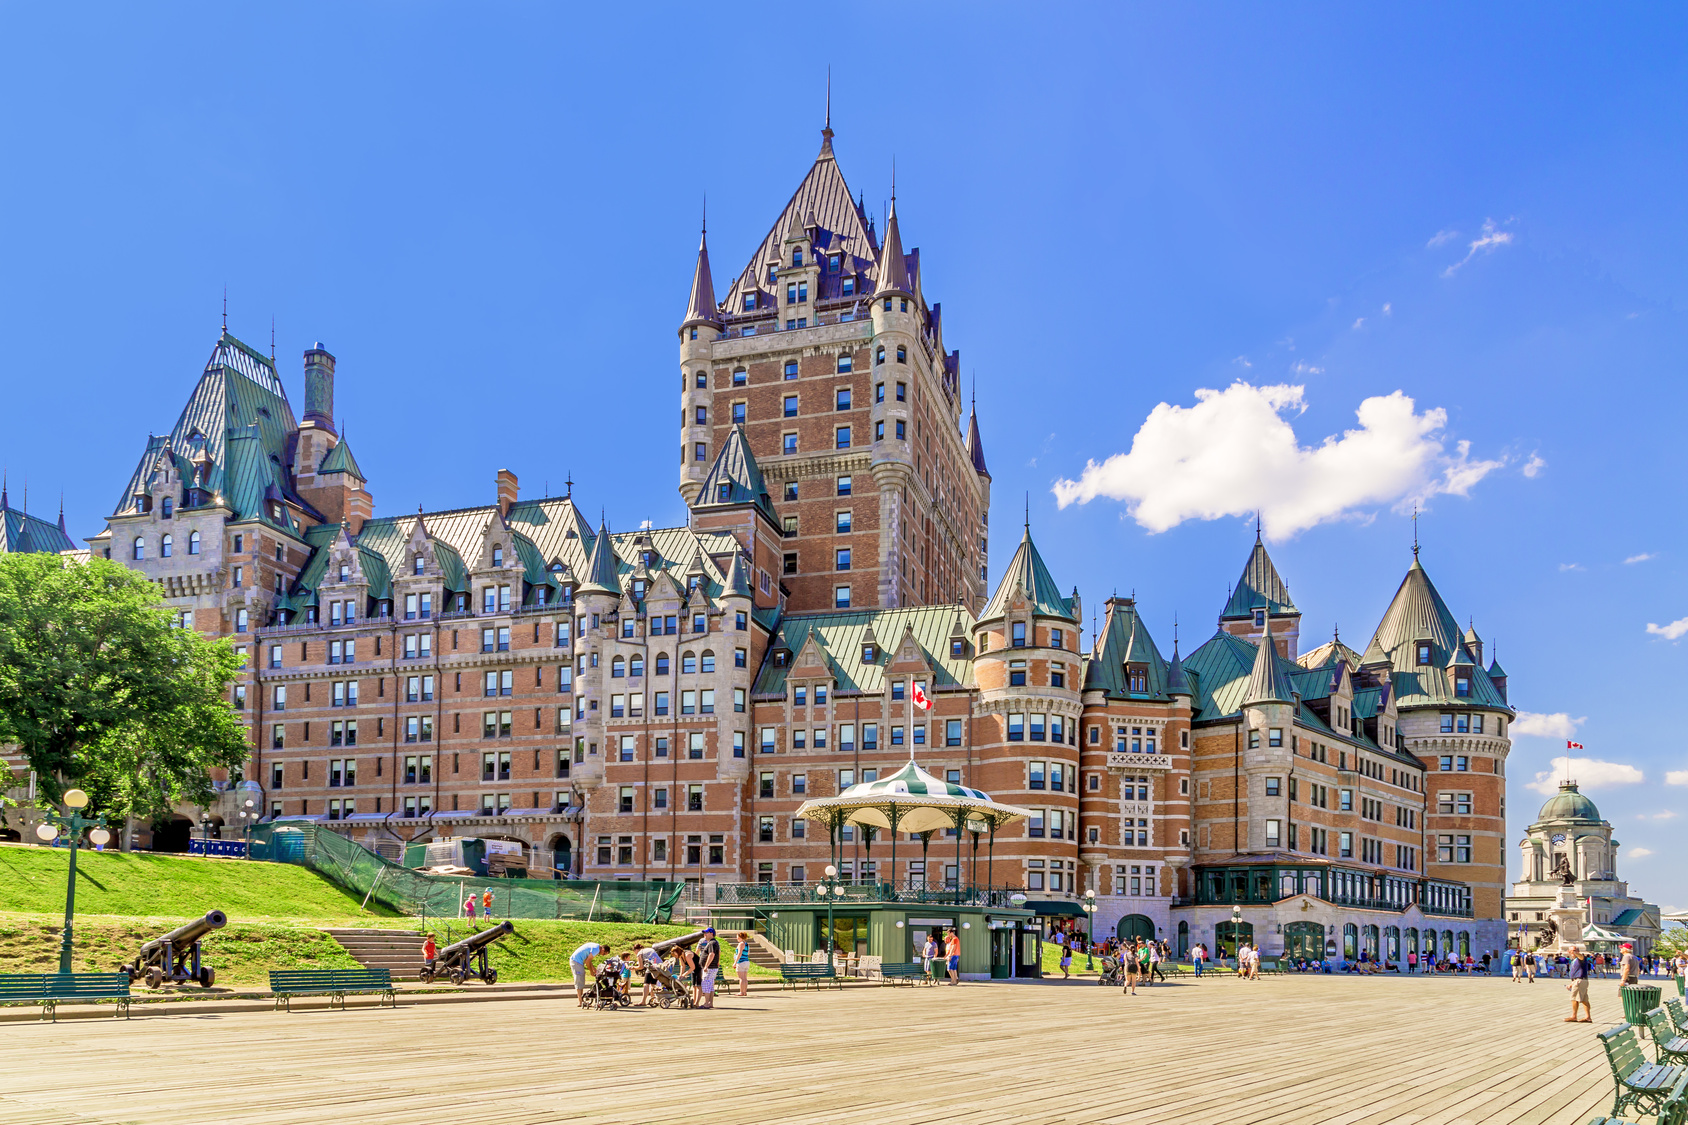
(826, 353)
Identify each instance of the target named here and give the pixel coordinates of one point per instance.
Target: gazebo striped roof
(913, 781)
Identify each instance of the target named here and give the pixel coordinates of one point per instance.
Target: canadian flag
(1569, 745)
(921, 699)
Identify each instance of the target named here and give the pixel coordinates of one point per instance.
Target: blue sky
(490, 216)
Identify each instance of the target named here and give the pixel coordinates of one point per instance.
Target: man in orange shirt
(952, 950)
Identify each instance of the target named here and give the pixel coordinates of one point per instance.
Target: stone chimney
(319, 387)
(506, 491)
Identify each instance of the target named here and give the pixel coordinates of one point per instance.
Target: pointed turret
(1268, 683)
(61, 513)
(735, 478)
(1260, 587)
(1177, 683)
(701, 307)
(738, 578)
(893, 270)
(601, 577)
(340, 460)
(975, 447)
(1027, 575)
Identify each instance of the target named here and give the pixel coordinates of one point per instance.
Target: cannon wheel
(207, 975)
(155, 977)
(491, 976)
(128, 971)
(457, 976)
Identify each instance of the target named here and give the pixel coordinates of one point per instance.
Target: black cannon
(467, 958)
(174, 958)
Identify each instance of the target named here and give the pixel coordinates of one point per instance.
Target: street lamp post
(247, 816)
(830, 889)
(75, 800)
(1236, 935)
(1090, 909)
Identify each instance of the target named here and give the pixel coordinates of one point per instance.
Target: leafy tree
(100, 691)
(1673, 941)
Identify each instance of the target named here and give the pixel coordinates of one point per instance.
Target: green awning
(1048, 908)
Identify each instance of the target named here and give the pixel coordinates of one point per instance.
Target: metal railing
(910, 891)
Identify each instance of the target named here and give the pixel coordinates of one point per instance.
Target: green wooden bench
(336, 984)
(1674, 1111)
(1668, 1046)
(1678, 1014)
(897, 972)
(1271, 965)
(795, 973)
(1639, 1083)
(52, 989)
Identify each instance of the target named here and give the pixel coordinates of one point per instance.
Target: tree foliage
(100, 691)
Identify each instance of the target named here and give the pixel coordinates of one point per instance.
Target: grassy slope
(32, 880)
(241, 952)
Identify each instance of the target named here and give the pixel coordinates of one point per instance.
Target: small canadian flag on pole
(921, 699)
(1569, 745)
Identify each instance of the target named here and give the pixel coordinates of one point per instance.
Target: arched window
(497, 555)
(662, 664)
(416, 565)
(688, 663)
(708, 660)
(636, 665)
(193, 542)
(879, 355)
(902, 354)
(140, 547)
(169, 507)
(164, 546)
(618, 668)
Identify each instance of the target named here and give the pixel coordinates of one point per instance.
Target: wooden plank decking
(1290, 1051)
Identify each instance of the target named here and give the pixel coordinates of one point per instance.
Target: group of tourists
(696, 968)
(950, 950)
(1140, 962)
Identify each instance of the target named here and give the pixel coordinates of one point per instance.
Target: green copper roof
(1418, 614)
(842, 634)
(22, 533)
(1258, 588)
(601, 576)
(1568, 804)
(734, 478)
(340, 460)
(1027, 574)
(1220, 670)
(1268, 679)
(1125, 640)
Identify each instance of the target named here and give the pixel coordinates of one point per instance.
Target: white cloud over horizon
(1588, 773)
(1670, 632)
(1235, 452)
(1534, 466)
(1534, 724)
(1638, 853)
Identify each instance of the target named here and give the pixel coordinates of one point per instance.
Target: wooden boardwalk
(1282, 1051)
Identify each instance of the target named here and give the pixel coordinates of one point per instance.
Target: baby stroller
(671, 985)
(606, 987)
(1110, 971)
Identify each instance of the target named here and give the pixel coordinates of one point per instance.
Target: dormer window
(1260, 619)
(796, 255)
(870, 653)
(169, 507)
(834, 263)
(849, 287)
(1137, 679)
(1462, 686)
(1423, 653)
(749, 302)
(724, 491)
(497, 556)
(416, 565)
(345, 572)
(782, 657)
(638, 587)
(958, 648)
(1017, 634)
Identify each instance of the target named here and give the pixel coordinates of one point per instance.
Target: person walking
(1530, 967)
(1516, 958)
(709, 958)
(741, 963)
(1155, 957)
(929, 951)
(1577, 985)
(430, 953)
(952, 951)
(1197, 956)
(1066, 958)
(1130, 964)
(486, 904)
(469, 907)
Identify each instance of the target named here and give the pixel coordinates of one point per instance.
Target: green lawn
(241, 952)
(32, 880)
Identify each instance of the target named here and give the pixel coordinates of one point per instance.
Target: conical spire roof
(735, 478)
(1258, 588)
(1417, 613)
(1177, 683)
(893, 270)
(701, 308)
(975, 447)
(340, 460)
(1027, 574)
(738, 578)
(601, 577)
(1268, 682)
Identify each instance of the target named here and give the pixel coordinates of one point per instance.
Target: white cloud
(1302, 367)
(1572, 566)
(1242, 361)
(1491, 240)
(1360, 322)
(1644, 556)
(1667, 814)
(1669, 632)
(1441, 237)
(1388, 309)
(1677, 777)
(1534, 724)
(1234, 453)
(1638, 853)
(1534, 466)
(1588, 773)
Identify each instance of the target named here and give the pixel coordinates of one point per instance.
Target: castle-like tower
(826, 355)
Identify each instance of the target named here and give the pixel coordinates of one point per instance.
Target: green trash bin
(1639, 999)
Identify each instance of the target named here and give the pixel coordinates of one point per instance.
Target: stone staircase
(397, 950)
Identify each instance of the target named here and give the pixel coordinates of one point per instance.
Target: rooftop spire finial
(568, 483)
(1415, 533)
(272, 339)
(1028, 511)
(225, 308)
(826, 127)
(1257, 525)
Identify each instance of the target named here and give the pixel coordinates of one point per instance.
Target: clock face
(1559, 837)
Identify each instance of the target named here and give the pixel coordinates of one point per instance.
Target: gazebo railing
(909, 891)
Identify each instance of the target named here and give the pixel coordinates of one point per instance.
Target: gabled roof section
(701, 307)
(1258, 588)
(1125, 640)
(1329, 653)
(735, 479)
(844, 632)
(1026, 574)
(22, 533)
(840, 227)
(340, 460)
(1268, 680)
(1220, 670)
(1417, 614)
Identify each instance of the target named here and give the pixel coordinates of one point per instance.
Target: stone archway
(1136, 926)
(562, 855)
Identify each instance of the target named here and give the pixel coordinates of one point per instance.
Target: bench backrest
(288, 979)
(903, 967)
(1678, 1014)
(65, 986)
(1623, 1050)
(1658, 1022)
(806, 969)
